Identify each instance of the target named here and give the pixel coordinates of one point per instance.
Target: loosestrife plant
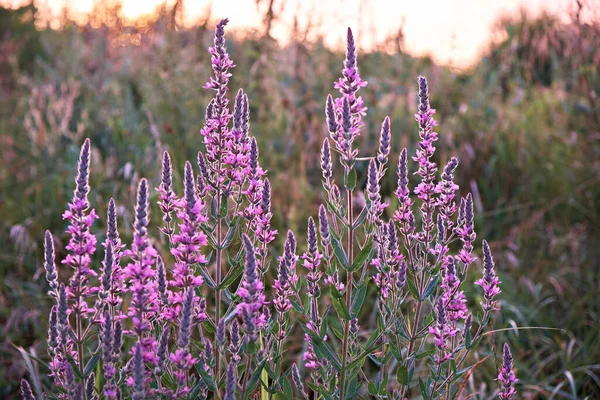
(197, 324)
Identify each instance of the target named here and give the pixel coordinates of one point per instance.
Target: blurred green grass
(525, 123)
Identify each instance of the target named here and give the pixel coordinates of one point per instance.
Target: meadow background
(524, 121)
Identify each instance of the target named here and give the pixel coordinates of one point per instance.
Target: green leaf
(207, 278)
(350, 179)
(323, 328)
(363, 256)
(339, 252)
(358, 299)
(430, 287)
(288, 393)
(229, 236)
(426, 353)
(411, 369)
(468, 339)
(341, 308)
(91, 364)
(372, 389)
(413, 289)
(223, 208)
(297, 307)
(322, 349)
(423, 389)
(361, 217)
(402, 375)
(232, 275)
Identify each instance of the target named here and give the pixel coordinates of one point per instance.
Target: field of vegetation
(524, 122)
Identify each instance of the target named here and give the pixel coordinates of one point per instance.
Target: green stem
(349, 283)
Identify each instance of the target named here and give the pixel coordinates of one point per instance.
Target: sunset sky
(452, 31)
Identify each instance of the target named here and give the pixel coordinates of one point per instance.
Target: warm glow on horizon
(453, 32)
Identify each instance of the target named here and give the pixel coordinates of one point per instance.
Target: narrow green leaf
(361, 217)
(372, 389)
(363, 256)
(423, 389)
(358, 299)
(339, 252)
(426, 353)
(340, 308)
(91, 364)
(402, 375)
(350, 179)
(430, 287)
(232, 275)
(413, 289)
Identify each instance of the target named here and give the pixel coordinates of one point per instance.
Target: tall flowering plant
(407, 254)
(199, 322)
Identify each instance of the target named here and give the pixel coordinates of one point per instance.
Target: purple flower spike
(384, 142)
(251, 292)
(187, 243)
(49, 265)
(286, 276)
(404, 213)
(182, 358)
(140, 277)
(324, 226)
(326, 166)
(344, 115)
(230, 382)
(139, 391)
(82, 243)
(26, 392)
(489, 282)
(465, 229)
(167, 197)
(376, 207)
(331, 116)
(506, 375)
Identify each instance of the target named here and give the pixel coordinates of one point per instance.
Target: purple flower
(454, 299)
(403, 214)
(26, 392)
(344, 115)
(216, 132)
(49, 265)
(441, 332)
(182, 358)
(489, 282)
(138, 380)
(447, 192)
(326, 166)
(376, 207)
(506, 375)
(167, 198)
(230, 382)
(427, 169)
(312, 259)
(187, 243)
(324, 227)
(251, 292)
(286, 277)
(235, 341)
(140, 276)
(310, 358)
(465, 229)
(82, 243)
(384, 142)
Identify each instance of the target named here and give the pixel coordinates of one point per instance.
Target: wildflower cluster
(202, 323)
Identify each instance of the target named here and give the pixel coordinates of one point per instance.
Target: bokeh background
(515, 83)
